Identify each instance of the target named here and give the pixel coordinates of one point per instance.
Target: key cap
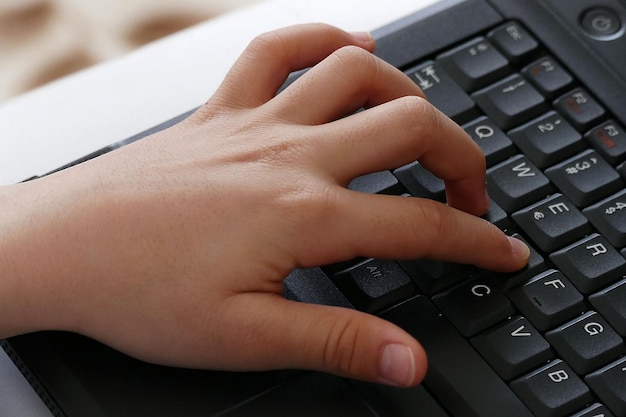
(420, 182)
(315, 287)
(609, 217)
(317, 393)
(548, 76)
(580, 108)
(497, 216)
(517, 183)
(513, 348)
(587, 342)
(595, 410)
(585, 178)
(434, 276)
(548, 300)
(552, 223)
(610, 303)
(591, 263)
(474, 305)
(621, 169)
(514, 41)
(547, 140)
(388, 401)
(382, 182)
(496, 146)
(443, 92)
(511, 101)
(553, 390)
(609, 139)
(374, 284)
(609, 384)
(536, 264)
(474, 64)
(454, 366)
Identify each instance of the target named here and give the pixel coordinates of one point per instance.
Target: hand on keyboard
(173, 249)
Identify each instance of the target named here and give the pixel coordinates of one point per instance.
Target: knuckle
(272, 43)
(339, 354)
(423, 117)
(439, 224)
(355, 59)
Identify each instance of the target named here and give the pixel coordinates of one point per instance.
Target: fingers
(347, 80)
(395, 227)
(399, 132)
(270, 58)
(329, 339)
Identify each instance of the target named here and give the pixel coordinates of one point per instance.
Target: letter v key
(519, 332)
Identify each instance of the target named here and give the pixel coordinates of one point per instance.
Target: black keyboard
(545, 341)
(548, 340)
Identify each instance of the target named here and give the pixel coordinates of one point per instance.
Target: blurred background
(42, 40)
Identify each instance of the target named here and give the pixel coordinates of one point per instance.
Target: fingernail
(362, 37)
(520, 249)
(397, 365)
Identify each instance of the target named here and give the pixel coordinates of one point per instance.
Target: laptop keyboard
(548, 339)
(544, 341)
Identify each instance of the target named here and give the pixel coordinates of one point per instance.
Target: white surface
(70, 118)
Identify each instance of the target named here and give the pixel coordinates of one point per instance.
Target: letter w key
(517, 183)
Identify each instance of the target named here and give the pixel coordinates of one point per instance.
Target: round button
(601, 23)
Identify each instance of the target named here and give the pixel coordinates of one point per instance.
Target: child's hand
(173, 249)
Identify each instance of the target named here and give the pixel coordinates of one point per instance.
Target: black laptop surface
(540, 85)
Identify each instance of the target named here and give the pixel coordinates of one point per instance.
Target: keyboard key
(609, 139)
(547, 140)
(385, 401)
(517, 183)
(609, 384)
(610, 303)
(587, 342)
(434, 276)
(585, 178)
(580, 108)
(591, 263)
(420, 182)
(514, 41)
(548, 300)
(454, 366)
(595, 410)
(374, 284)
(474, 64)
(548, 76)
(382, 182)
(443, 92)
(496, 146)
(513, 348)
(609, 217)
(497, 216)
(552, 223)
(511, 101)
(313, 286)
(553, 390)
(474, 305)
(536, 264)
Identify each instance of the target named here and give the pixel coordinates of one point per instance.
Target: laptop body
(76, 376)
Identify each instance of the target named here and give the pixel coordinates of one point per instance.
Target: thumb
(341, 341)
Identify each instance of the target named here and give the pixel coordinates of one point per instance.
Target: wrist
(27, 287)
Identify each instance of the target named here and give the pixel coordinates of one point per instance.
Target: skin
(173, 249)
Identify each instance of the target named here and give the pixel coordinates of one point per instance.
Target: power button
(601, 23)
